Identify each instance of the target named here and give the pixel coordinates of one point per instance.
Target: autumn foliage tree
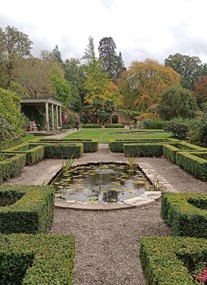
(200, 90)
(142, 84)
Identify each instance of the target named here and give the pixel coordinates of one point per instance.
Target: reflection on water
(101, 183)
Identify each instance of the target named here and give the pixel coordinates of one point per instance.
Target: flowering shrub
(200, 274)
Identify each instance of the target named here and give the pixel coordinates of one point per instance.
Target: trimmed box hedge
(11, 165)
(193, 164)
(185, 213)
(170, 260)
(37, 260)
(114, 126)
(26, 209)
(61, 150)
(143, 149)
(89, 145)
(91, 126)
(169, 150)
(33, 153)
(116, 145)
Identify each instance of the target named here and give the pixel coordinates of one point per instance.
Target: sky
(141, 29)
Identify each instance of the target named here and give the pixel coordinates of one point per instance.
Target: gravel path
(107, 243)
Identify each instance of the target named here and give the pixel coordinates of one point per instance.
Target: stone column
(61, 123)
(53, 121)
(57, 124)
(47, 117)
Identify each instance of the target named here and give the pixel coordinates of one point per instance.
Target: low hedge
(91, 126)
(193, 164)
(185, 213)
(89, 145)
(33, 153)
(171, 260)
(116, 145)
(61, 150)
(37, 260)
(143, 149)
(4, 144)
(11, 165)
(26, 209)
(114, 126)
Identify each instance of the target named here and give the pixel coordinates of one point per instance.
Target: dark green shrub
(11, 165)
(33, 153)
(26, 209)
(170, 260)
(192, 164)
(179, 131)
(90, 145)
(114, 126)
(143, 149)
(117, 145)
(153, 124)
(185, 213)
(61, 150)
(37, 260)
(91, 126)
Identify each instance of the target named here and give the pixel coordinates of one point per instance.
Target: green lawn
(103, 135)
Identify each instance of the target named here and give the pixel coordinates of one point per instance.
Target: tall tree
(102, 95)
(200, 90)
(89, 53)
(56, 54)
(177, 102)
(16, 45)
(75, 74)
(189, 67)
(142, 84)
(112, 64)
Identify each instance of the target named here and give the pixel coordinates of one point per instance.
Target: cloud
(140, 28)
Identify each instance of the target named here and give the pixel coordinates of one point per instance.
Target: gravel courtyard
(107, 242)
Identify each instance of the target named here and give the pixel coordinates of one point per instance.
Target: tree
(200, 90)
(177, 102)
(142, 84)
(189, 67)
(16, 45)
(56, 55)
(75, 74)
(89, 54)
(112, 64)
(101, 92)
(33, 74)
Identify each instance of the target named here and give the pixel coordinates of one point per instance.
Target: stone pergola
(48, 104)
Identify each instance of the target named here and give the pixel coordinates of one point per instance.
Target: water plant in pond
(103, 182)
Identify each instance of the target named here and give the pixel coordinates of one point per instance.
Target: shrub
(185, 213)
(143, 149)
(193, 164)
(91, 126)
(37, 260)
(179, 131)
(170, 260)
(11, 165)
(90, 145)
(114, 126)
(33, 153)
(153, 124)
(26, 209)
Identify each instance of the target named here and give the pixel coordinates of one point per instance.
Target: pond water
(103, 182)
